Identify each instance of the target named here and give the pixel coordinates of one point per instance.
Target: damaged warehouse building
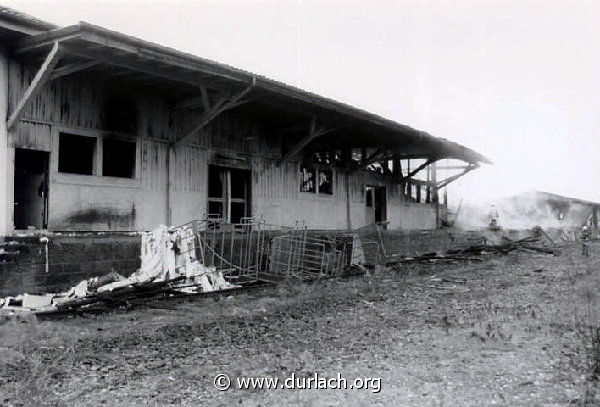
(104, 136)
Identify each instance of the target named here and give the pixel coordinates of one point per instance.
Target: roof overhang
(20, 23)
(87, 42)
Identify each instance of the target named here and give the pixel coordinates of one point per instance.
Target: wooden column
(6, 159)
(348, 215)
(434, 193)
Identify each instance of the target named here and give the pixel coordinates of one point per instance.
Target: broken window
(118, 158)
(316, 180)
(325, 182)
(308, 183)
(76, 154)
(228, 194)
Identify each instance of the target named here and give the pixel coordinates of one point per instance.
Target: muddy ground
(512, 330)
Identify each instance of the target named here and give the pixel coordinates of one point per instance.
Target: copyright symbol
(222, 382)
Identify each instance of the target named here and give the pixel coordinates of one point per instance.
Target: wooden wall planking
(80, 102)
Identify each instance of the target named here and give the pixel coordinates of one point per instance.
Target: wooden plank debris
(475, 252)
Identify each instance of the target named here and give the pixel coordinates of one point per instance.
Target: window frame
(225, 199)
(317, 171)
(113, 137)
(95, 155)
(96, 179)
(313, 170)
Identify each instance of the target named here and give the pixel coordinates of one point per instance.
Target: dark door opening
(375, 199)
(31, 189)
(228, 194)
(379, 201)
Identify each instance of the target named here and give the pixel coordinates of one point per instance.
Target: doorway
(228, 194)
(375, 198)
(31, 189)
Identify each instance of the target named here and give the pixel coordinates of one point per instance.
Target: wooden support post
(428, 187)
(397, 168)
(407, 183)
(348, 213)
(6, 159)
(169, 218)
(434, 194)
(38, 81)
(346, 157)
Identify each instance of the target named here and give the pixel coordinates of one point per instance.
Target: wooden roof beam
(71, 69)
(196, 101)
(40, 78)
(448, 180)
(209, 115)
(416, 170)
(313, 133)
(136, 67)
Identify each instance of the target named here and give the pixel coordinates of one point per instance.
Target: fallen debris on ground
(165, 268)
(474, 253)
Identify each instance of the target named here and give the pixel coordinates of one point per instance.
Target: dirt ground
(513, 330)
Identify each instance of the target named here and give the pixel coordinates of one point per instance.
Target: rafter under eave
(222, 105)
(416, 170)
(448, 180)
(313, 133)
(71, 69)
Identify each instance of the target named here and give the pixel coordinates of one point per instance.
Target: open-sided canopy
(181, 75)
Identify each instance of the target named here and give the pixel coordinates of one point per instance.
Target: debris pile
(168, 265)
(475, 252)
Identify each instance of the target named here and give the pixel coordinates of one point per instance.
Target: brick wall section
(71, 259)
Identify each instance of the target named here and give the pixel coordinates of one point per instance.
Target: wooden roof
(107, 50)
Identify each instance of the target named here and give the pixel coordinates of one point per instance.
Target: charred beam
(448, 180)
(416, 170)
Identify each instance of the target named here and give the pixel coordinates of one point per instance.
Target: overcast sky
(519, 81)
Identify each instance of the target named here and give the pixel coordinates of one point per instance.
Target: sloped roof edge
(23, 23)
(97, 34)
